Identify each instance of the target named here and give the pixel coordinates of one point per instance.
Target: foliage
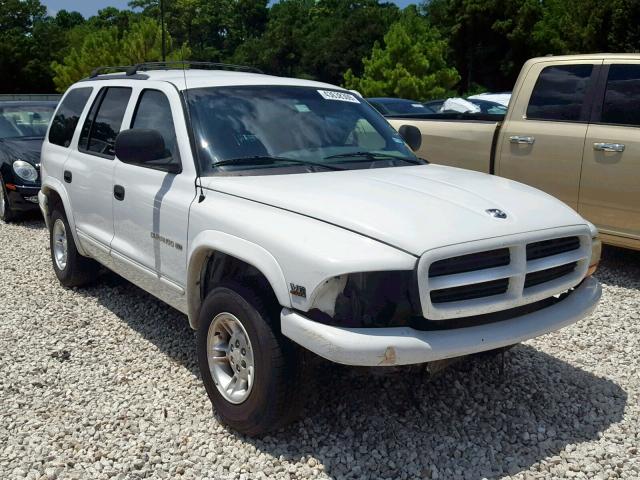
(318, 39)
(411, 64)
(109, 46)
(486, 41)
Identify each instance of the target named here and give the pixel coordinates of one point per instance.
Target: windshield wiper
(374, 156)
(267, 159)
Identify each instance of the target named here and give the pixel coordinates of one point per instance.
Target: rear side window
(104, 121)
(154, 112)
(559, 93)
(621, 104)
(64, 123)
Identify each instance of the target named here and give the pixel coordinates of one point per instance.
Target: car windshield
(286, 129)
(27, 120)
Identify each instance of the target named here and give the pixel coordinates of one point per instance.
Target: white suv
(280, 213)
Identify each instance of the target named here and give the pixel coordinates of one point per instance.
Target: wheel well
(54, 201)
(222, 268)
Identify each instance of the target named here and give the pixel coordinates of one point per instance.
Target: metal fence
(29, 96)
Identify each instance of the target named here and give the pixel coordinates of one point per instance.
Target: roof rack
(131, 70)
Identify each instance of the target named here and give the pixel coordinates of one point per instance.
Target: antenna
(164, 48)
(194, 148)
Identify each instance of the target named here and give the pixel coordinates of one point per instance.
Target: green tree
(489, 40)
(107, 46)
(318, 39)
(411, 64)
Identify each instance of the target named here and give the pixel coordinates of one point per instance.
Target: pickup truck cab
(281, 215)
(572, 129)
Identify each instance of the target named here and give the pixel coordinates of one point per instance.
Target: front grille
(536, 278)
(470, 262)
(494, 275)
(469, 292)
(554, 246)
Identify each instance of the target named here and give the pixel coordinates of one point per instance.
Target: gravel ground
(102, 383)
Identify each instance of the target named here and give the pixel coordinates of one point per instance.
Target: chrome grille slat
(497, 274)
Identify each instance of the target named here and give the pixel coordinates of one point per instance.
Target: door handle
(522, 140)
(118, 192)
(67, 176)
(608, 147)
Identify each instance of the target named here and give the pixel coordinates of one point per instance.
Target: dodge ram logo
(496, 213)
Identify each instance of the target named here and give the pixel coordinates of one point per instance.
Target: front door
(542, 141)
(89, 171)
(610, 186)
(151, 204)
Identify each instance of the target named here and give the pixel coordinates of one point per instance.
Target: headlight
(25, 170)
(371, 299)
(596, 253)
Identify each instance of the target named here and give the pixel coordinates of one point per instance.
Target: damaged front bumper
(406, 346)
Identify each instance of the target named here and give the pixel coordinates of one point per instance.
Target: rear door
(89, 171)
(542, 140)
(610, 186)
(151, 212)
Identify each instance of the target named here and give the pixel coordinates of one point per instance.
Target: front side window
(104, 121)
(559, 93)
(250, 128)
(154, 112)
(67, 116)
(621, 104)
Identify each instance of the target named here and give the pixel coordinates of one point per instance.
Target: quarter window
(154, 112)
(104, 121)
(621, 104)
(559, 93)
(64, 123)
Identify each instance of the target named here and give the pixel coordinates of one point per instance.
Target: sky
(91, 7)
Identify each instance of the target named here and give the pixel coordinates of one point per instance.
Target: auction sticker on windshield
(339, 96)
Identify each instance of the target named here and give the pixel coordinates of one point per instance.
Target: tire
(7, 214)
(274, 398)
(75, 270)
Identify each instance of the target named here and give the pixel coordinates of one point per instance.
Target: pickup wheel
(249, 370)
(72, 269)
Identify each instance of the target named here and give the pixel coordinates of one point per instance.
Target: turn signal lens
(596, 252)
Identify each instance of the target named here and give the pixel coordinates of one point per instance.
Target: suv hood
(412, 208)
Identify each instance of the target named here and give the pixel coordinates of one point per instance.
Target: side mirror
(141, 146)
(412, 136)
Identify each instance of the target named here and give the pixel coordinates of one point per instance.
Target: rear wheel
(249, 370)
(6, 212)
(72, 269)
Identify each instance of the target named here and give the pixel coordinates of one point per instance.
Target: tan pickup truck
(572, 129)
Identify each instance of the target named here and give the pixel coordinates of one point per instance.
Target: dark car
(23, 125)
(398, 106)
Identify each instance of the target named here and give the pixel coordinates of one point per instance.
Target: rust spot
(389, 357)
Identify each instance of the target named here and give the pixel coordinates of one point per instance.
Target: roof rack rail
(131, 70)
(102, 70)
(189, 63)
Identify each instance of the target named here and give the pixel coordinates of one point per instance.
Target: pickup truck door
(610, 185)
(543, 137)
(88, 171)
(151, 204)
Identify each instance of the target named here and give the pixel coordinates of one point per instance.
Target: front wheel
(72, 269)
(249, 370)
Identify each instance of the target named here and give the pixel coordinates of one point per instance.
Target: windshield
(256, 129)
(25, 120)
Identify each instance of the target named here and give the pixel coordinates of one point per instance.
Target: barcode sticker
(339, 96)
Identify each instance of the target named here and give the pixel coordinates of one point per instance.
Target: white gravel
(102, 383)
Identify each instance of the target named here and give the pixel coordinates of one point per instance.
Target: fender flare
(52, 184)
(212, 240)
